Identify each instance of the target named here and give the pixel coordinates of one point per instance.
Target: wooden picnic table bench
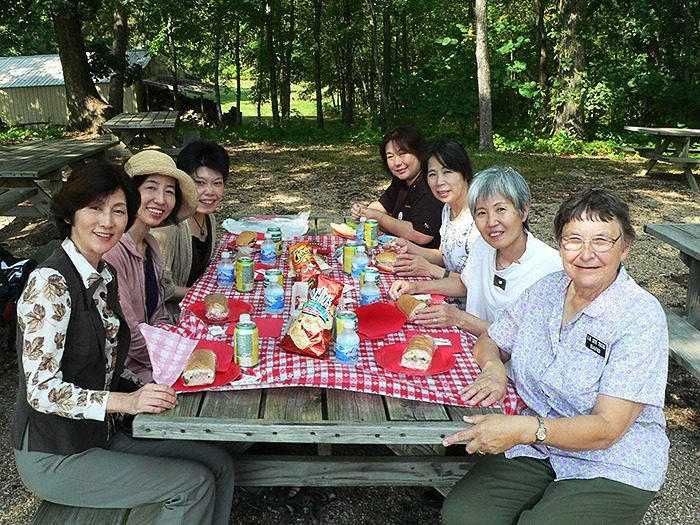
(33, 170)
(684, 332)
(156, 126)
(673, 146)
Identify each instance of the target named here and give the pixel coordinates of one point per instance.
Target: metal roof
(45, 70)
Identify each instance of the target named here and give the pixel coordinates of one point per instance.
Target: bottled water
(360, 232)
(359, 262)
(225, 271)
(347, 344)
(268, 250)
(274, 297)
(369, 293)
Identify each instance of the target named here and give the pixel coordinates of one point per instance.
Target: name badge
(499, 282)
(598, 346)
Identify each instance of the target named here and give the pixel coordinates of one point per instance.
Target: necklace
(200, 226)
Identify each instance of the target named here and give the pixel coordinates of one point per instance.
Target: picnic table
(673, 146)
(32, 170)
(156, 126)
(322, 403)
(684, 331)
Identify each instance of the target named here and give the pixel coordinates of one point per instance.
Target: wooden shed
(32, 88)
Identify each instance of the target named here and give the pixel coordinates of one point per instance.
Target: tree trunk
(386, 65)
(286, 98)
(317, 63)
(239, 115)
(348, 110)
(217, 88)
(483, 71)
(85, 106)
(120, 38)
(374, 72)
(271, 61)
(173, 60)
(569, 111)
(541, 44)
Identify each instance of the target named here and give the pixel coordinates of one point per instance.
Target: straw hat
(152, 162)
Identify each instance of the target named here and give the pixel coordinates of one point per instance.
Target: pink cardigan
(132, 295)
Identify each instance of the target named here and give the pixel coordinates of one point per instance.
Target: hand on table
(400, 287)
(400, 246)
(151, 398)
(438, 316)
(491, 433)
(356, 211)
(407, 264)
(488, 388)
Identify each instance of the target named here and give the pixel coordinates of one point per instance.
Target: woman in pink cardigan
(168, 196)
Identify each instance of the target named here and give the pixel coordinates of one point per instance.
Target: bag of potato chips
(310, 333)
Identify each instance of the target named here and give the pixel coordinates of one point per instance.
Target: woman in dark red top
(407, 208)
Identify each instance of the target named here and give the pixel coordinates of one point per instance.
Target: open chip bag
(310, 333)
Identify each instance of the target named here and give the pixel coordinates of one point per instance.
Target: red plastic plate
(236, 307)
(389, 357)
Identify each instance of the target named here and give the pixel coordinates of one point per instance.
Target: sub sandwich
(200, 369)
(419, 353)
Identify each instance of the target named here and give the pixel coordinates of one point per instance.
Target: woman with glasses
(589, 354)
(503, 262)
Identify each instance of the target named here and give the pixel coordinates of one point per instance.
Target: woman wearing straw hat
(168, 196)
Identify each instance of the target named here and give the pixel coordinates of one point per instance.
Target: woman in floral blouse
(73, 341)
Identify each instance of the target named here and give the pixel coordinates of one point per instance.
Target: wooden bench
(53, 514)
(684, 342)
(11, 197)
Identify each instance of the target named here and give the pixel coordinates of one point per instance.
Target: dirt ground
(327, 180)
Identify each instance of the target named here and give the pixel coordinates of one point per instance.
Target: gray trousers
(192, 481)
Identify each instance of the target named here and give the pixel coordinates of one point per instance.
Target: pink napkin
(168, 351)
(267, 326)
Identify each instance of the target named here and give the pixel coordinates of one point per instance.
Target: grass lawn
(304, 107)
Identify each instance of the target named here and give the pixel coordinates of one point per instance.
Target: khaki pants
(500, 491)
(193, 481)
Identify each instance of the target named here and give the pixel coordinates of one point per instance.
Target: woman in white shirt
(502, 264)
(448, 172)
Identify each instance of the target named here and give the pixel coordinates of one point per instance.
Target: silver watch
(541, 433)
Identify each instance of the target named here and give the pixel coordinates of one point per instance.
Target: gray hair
(500, 180)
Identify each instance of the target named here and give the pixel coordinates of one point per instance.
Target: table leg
(692, 307)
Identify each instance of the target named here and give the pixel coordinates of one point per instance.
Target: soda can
(340, 319)
(276, 236)
(369, 269)
(371, 232)
(245, 274)
(348, 254)
(273, 273)
(245, 343)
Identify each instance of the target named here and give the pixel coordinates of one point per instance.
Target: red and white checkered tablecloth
(278, 368)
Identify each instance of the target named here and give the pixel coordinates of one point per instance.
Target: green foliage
(558, 144)
(15, 135)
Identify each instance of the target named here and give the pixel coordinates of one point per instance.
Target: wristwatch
(446, 274)
(541, 433)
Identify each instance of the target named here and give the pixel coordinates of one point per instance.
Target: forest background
(556, 76)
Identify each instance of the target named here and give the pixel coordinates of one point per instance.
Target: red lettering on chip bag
(303, 263)
(310, 333)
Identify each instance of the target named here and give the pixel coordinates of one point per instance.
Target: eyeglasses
(597, 244)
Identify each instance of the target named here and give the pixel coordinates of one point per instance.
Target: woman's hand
(408, 264)
(488, 388)
(399, 287)
(356, 211)
(493, 433)
(400, 246)
(438, 316)
(151, 398)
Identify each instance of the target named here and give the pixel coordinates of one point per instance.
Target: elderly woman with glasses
(589, 354)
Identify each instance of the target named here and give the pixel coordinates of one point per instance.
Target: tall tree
(120, 39)
(86, 109)
(347, 61)
(270, 12)
(173, 58)
(317, 63)
(568, 115)
(239, 115)
(386, 64)
(541, 45)
(286, 73)
(483, 68)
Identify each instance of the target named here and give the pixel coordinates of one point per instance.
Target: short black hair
(172, 218)
(407, 137)
(96, 180)
(203, 153)
(451, 154)
(596, 204)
